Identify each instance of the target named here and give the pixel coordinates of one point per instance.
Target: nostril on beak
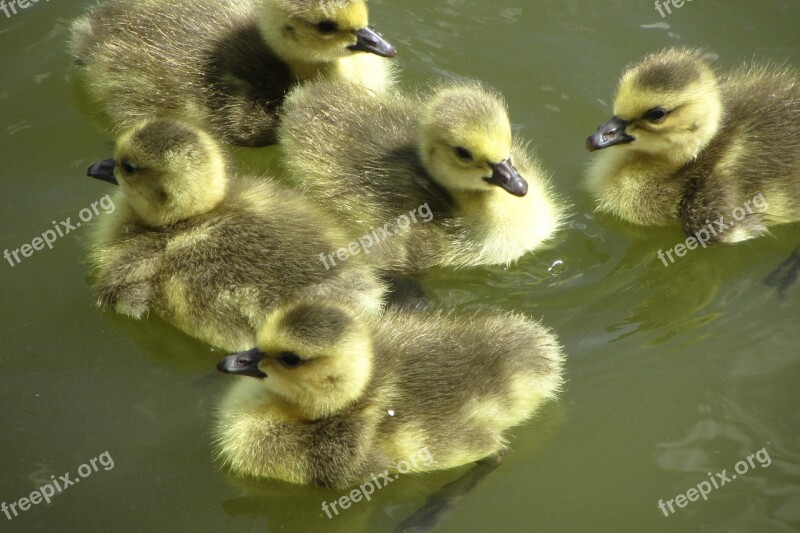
(244, 361)
(612, 132)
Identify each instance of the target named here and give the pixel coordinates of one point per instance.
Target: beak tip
(373, 42)
(508, 178)
(103, 171)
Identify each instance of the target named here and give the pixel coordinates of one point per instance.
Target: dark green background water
(672, 372)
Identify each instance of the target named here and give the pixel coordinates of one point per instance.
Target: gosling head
(668, 105)
(320, 31)
(168, 171)
(315, 358)
(466, 141)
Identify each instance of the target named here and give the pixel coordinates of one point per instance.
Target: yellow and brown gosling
(227, 63)
(715, 152)
(433, 178)
(211, 252)
(329, 399)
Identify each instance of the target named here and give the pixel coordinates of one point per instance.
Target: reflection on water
(672, 372)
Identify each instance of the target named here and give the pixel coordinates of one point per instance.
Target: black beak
(371, 41)
(104, 170)
(509, 178)
(243, 364)
(609, 134)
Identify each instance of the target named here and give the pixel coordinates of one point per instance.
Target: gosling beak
(509, 178)
(372, 42)
(609, 134)
(104, 170)
(243, 364)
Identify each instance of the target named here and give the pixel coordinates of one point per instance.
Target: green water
(672, 372)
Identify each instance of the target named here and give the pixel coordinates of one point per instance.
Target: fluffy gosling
(228, 63)
(329, 399)
(689, 145)
(375, 158)
(212, 253)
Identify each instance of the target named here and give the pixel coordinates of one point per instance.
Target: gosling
(717, 153)
(330, 399)
(433, 178)
(212, 253)
(228, 63)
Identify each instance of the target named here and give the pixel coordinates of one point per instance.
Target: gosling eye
(327, 27)
(464, 154)
(656, 115)
(128, 168)
(290, 360)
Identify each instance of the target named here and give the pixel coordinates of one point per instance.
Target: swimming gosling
(329, 399)
(228, 63)
(431, 178)
(210, 252)
(718, 153)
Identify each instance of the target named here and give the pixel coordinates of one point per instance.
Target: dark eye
(656, 114)
(128, 168)
(290, 360)
(464, 154)
(327, 26)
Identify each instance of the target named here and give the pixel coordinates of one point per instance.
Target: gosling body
(377, 159)
(688, 145)
(210, 252)
(228, 63)
(331, 400)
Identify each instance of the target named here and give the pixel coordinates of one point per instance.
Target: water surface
(672, 372)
